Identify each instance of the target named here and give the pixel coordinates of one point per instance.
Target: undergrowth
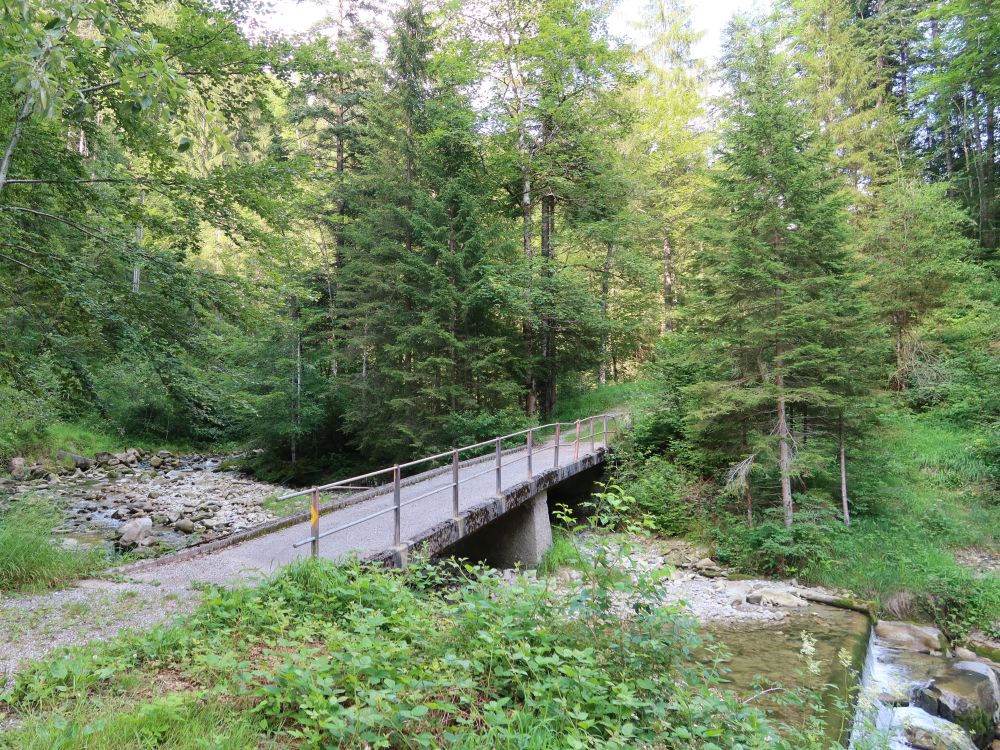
(345, 657)
(920, 491)
(30, 559)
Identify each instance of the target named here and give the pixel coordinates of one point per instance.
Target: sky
(709, 16)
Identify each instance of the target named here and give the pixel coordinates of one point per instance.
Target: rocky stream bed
(143, 502)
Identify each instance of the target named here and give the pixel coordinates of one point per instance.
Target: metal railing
(582, 431)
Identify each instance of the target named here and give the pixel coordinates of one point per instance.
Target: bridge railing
(590, 431)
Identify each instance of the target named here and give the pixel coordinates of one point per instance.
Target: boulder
(922, 731)
(775, 598)
(185, 525)
(156, 462)
(103, 457)
(135, 532)
(81, 463)
(908, 636)
(967, 694)
(18, 467)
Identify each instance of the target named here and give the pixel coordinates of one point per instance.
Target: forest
(419, 226)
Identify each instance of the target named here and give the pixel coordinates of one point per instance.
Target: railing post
(314, 522)
(531, 443)
(454, 483)
(396, 514)
(555, 462)
(605, 430)
(498, 465)
(576, 444)
(593, 436)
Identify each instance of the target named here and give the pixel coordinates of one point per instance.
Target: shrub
(769, 548)
(664, 492)
(23, 420)
(961, 602)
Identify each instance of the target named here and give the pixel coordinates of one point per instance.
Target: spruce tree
(773, 291)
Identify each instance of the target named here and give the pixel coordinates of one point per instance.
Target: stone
(134, 532)
(185, 525)
(103, 457)
(156, 462)
(964, 653)
(17, 467)
(775, 598)
(79, 462)
(922, 731)
(909, 636)
(967, 694)
(706, 563)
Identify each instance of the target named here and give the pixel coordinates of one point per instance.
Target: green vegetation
(30, 559)
(326, 656)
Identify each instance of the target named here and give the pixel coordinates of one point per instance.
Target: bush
(961, 602)
(770, 549)
(30, 559)
(343, 657)
(665, 493)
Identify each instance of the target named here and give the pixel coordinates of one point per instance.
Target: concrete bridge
(498, 501)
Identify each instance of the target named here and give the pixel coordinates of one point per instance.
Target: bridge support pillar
(523, 535)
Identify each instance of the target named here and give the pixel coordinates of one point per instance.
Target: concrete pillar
(522, 535)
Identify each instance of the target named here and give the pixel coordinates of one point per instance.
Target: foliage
(770, 548)
(460, 663)
(30, 559)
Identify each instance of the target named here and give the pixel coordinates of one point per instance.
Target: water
(768, 655)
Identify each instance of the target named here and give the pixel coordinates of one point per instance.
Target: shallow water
(767, 656)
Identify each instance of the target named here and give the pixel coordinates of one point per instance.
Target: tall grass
(29, 558)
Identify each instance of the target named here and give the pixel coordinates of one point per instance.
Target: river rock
(185, 525)
(774, 598)
(922, 731)
(909, 636)
(79, 462)
(17, 467)
(156, 462)
(968, 695)
(135, 533)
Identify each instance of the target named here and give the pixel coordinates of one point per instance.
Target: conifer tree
(773, 281)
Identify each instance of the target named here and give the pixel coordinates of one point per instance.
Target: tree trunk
(843, 475)
(746, 486)
(15, 136)
(531, 395)
(784, 437)
(602, 375)
(548, 378)
(668, 287)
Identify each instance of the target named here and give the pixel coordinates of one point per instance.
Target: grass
(612, 397)
(29, 557)
(343, 657)
(562, 554)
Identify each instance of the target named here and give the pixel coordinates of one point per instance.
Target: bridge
(495, 491)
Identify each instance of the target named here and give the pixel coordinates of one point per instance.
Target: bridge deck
(261, 555)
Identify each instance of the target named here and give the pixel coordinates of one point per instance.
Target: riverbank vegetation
(28, 558)
(326, 656)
